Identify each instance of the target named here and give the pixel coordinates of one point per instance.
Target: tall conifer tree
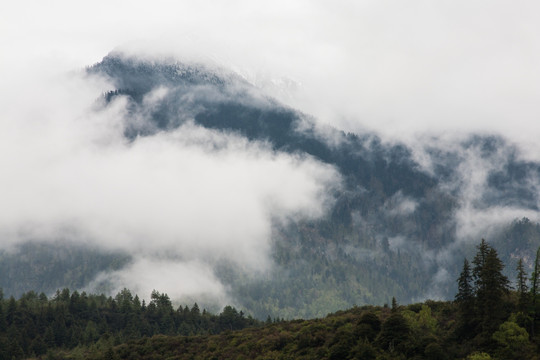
(522, 288)
(465, 301)
(490, 287)
(465, 290)
(535, 284)
(479, 262)
(490, 294)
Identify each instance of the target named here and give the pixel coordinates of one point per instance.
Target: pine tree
(522, 288)
(479, 288)
(535, 284)
(490, 287)
(465, 301)
(493, 285)
(479, 262)
(11, 310)
(465, 290)
(535, 277)
(3, 325)
(394, 305)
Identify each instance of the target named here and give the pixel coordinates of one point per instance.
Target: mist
(182, 200)
(421, 73)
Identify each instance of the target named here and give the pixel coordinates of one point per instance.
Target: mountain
(401, 220)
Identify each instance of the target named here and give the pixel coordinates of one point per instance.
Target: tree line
(487, 320)
(35, 324)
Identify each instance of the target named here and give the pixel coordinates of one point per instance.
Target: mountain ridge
(395, 229)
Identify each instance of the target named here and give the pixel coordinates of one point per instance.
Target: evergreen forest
(489, 319)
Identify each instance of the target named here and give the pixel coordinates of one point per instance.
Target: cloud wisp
(191, 196)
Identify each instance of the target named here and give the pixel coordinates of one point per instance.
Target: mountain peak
(129, 72)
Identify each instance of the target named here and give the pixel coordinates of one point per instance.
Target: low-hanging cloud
(191, 196)
(184, 280)
(482, 207)
(485, 204)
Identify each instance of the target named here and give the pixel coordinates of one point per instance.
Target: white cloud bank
(190, 196)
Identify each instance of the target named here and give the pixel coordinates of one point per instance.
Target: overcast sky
(401, 68)
(394, 66)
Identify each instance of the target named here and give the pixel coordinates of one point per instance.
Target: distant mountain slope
(390, 217)
(48, 267)
(397, 228)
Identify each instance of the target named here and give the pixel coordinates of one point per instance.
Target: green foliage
(368, 327)
(479, 356)
(512, 339)
(35, 325)
(434, 351)
(394, 334)
(422, 322)
(364, 350)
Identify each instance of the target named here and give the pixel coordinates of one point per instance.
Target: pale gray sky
(394, 66)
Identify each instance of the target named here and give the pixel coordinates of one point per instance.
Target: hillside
(428, 330)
